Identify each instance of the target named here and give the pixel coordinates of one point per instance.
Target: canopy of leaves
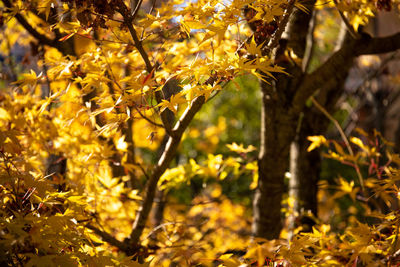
(83, 129)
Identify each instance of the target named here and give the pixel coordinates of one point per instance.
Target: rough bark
(282, 103)
(305, 166)
(278, 128)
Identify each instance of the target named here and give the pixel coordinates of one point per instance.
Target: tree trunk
(304, 169)
(276, 135)
(305, 166)
(278, 128)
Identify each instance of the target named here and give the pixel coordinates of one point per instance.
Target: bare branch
(188, 115)
(310, 44)
(142, 169)
(378, 45)
(153, 4)
(139, 46)
(164, 115)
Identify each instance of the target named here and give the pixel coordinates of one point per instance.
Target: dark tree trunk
(305, 166)
(282, 102)
(304, 169)
(278, 128)
(276, 133)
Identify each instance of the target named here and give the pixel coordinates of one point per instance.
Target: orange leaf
(148, 77)
(66, 37)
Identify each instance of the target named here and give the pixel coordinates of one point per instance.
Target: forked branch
(162, 165)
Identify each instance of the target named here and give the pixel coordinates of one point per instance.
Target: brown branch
(153, 4)
(139, 46)
(310, 44)
(281, 27)
(344, 138)
(350, 28)
(147, 119)
(108, 238)
(64, 47)
(136, 9)
(162, 165)
(128, 20)
(188, 115)
(378, 45)
(337, 64)
(43, 39)
(142, 169)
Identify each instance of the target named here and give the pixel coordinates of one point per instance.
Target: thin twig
(102, 40)
(110, 70)
(147, 119)
(136, 9)
(142, 169)
(349, 125)
(344, 137)
(153, 4)
(346, 22)
(378, 71)
(244, 42)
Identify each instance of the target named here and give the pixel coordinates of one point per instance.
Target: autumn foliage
(108, 156)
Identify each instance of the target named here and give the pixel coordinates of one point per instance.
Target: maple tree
(89, 139)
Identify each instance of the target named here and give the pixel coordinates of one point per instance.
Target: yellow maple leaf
(316, 141)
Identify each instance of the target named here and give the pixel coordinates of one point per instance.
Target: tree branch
(335, 67)
(378, 45)
(162, 165)
(108, 238)
(128, 20)
(350, 28)
(139, 45)
(164, 115)
(281, 27)
(43, 39)
(310, 44)
(21, 19)
(134, 13)
(147, 119)
(344, 138)
(299, 28)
